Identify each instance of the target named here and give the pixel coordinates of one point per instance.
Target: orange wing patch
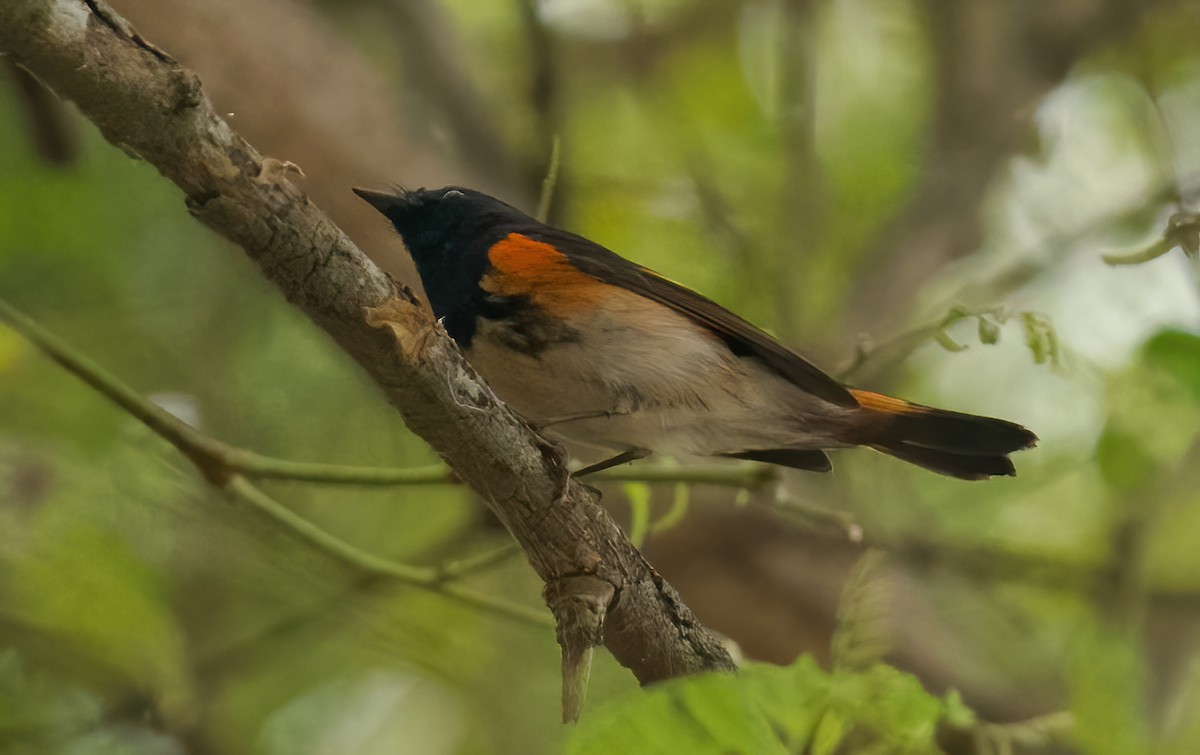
(881, 403)
(537, 270)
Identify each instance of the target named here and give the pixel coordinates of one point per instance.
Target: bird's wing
(742, 338)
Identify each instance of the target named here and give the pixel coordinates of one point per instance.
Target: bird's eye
(452, 194)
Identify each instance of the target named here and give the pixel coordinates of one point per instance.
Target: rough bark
(155, 109)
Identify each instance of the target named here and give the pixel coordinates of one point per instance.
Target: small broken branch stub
(580, 605)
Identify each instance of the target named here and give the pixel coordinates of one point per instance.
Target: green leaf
(767, 709)
(1177, 354)
(707, 713)
(375, 713)
(831, 730)
(861, 638)
(1124, 462)
(35, 711)
(40, 713)
(957, 715)
(1041, 338)
(989, 330)
(680, 500)
(638, 494)
(82, 585)
(944, 340)
(1106, 681)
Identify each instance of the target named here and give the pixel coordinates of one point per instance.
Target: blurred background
(917, 194)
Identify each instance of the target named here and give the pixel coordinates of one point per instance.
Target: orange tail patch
(952, 443)
(881, 403)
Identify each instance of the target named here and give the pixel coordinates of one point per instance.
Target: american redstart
(612, 356)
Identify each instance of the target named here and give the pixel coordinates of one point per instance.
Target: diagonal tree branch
(152, 107)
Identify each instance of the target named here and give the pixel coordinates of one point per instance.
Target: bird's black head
(449, 223)
(448, 232)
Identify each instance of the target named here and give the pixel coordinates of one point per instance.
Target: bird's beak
(380, 200)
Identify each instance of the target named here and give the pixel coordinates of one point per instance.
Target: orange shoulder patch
(881, 403)
(522, 266)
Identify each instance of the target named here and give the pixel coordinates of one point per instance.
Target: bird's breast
(632, 373)
(621, 353)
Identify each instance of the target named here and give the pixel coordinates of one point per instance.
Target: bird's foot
(624, 457)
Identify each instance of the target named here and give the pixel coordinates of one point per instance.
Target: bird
(619, 362)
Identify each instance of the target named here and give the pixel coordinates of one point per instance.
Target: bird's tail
(950, 443)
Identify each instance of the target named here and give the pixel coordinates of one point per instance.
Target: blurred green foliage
(768, 709)
(140, 612)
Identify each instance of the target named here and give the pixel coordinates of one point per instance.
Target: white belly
(662, 385)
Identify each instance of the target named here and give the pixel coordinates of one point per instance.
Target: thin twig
(680, 500)
(803, 219)
(1007, 279)
(969, 561)
(196, 448)
(1153, 251)
(258, 466)
(430, 578)
(908, 340)
(230, 459)
(752, 476)
(1183, 230)
(462, 567)
(244, 647)
(818, 517)
(550, 182)
(161, 422)
(975, 561)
